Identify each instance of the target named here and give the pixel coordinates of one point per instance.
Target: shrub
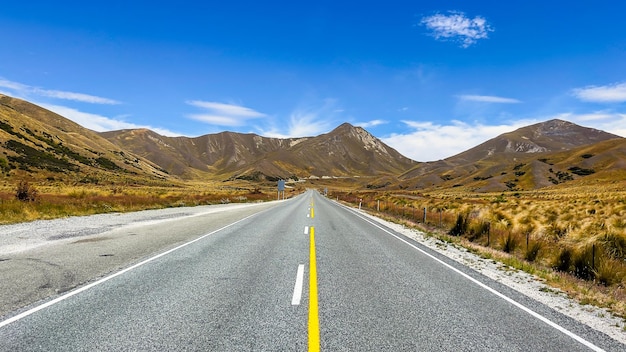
(564, 260)
(478, 230)
(583, 261)
(581, 171)
(25, 192)
(610, 272)
(4, 165)
(107, 164)
(532, 251)
(460, 227)
(509, 243)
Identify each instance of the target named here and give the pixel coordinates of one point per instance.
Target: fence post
(593, 256)
(440, 212)
(378, 206)
(424, 215)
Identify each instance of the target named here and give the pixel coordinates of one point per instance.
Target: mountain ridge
(507, 161)
(37, 143)
(238, 155)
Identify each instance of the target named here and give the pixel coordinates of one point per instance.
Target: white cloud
(429, 141)
(24, 89)
(223, 114)
(12, 85)
(304, 123)
(100, 123)
(456, 26)
(218, 120)
(615, 93)
(489, 99)
(372, 123)
(307, 121)
(85, 98)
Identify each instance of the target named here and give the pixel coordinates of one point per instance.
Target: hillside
(37, 143)
(536, 156)
(41, 145)
(345, 151)
(222, 153)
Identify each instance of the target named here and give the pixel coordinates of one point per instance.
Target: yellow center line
(314, 323)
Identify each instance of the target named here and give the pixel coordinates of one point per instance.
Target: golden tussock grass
(59, 201)
(574, 238)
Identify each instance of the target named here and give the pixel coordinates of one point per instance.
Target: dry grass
(575, 238)
(57, 201)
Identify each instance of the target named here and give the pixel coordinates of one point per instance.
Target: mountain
(531, 157)
(550, 136)
(345, 151)
(37, 143)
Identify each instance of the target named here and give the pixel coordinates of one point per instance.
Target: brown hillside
(346, 151)
(519, 160)
(37, 143)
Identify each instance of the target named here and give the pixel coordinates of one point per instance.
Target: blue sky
(429, 78)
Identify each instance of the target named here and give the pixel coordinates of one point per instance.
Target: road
(304, 274)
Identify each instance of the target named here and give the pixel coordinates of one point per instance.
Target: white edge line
(297, 289)
(87, 287)
(502, 296)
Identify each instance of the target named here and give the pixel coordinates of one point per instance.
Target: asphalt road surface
(304, 274)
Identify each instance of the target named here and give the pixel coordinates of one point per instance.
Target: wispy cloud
(85, 98)
(303, 123)
(23, 89)
(614, 93)
(371, 123)
(488, 99)
(456, 26)
(428, 141)
(223, 114)
(13, 85)
(312, 120)
(101, 123)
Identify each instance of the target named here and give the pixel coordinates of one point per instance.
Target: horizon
(336, 127)
(429, 80)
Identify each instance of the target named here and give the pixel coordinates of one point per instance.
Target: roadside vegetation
(26, 201)
(574, 239)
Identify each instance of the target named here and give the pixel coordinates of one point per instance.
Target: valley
(548, 198)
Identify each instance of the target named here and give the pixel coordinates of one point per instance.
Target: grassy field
(51, 201)
(574, 238)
